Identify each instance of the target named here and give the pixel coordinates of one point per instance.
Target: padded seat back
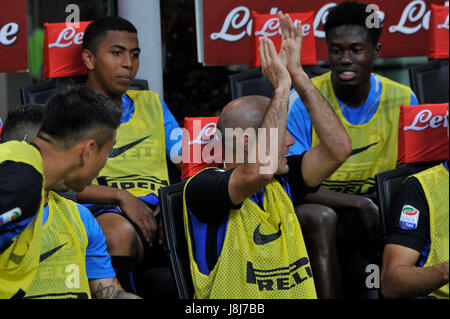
(171, 199)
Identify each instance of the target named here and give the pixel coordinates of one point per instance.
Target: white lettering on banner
(239, 19)
(444, 25)
(212, 127)
(422, 118)
(321, 18)
(67, 35)
(8, 33)
(409, 15)
(272, 27)
(231, 20)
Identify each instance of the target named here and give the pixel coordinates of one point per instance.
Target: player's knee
(120, 235)
(326, 216)
(316, 216)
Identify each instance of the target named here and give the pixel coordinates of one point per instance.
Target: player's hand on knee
(142, 215)
(370, 218)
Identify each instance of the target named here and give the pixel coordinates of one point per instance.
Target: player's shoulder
(391, 84)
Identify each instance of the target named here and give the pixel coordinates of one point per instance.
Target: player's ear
(377, 50)
(88, 149)
(88, 59)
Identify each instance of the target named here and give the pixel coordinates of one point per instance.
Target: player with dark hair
(415, 258)
(353, 13)
(124, 198)
(78, 130)
(92, 267)
(23, 123)
(368, 105)
(94, 35)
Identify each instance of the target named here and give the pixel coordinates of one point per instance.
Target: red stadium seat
(62, 50)
(201, 147)
(422, 135)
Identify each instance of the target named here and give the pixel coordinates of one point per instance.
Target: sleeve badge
(409, 217)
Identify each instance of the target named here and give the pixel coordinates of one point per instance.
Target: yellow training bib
(62, 267)
(375, 147)
(137, 162)
(435, 184)
(263, 255)
(19, 262)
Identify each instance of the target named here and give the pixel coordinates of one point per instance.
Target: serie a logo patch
(409, 217)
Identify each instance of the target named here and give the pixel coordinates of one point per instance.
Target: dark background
(190, 89)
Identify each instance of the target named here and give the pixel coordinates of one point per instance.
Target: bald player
(243, 235)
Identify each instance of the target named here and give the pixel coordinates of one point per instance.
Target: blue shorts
(98, 209)
(151, 200)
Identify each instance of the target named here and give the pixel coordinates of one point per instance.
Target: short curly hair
(352, 13)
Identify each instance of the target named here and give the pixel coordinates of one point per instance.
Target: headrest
(269, 25)
(62, 50)
(422, 135)
(201, 148)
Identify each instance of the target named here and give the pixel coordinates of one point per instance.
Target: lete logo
(425, 119)
(239, 19)
(65, 38)
(208, 131)
(272, 27)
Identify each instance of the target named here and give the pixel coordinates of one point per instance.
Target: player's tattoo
(108, 292)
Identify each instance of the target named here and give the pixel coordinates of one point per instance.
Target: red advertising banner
(227, 26)
(13, 36)
(62, 49)
(422, 133)
(269, 24)
(439, 33)
(201, 147)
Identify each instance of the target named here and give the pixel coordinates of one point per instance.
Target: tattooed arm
(109, 288)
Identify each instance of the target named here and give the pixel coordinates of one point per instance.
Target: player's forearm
(404, 281)
(274, 121)
(100, 194)
(329, 129)
(275, 116)
(109, 288)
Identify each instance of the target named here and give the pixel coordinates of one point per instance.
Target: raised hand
(273, 64)
(291, 44)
